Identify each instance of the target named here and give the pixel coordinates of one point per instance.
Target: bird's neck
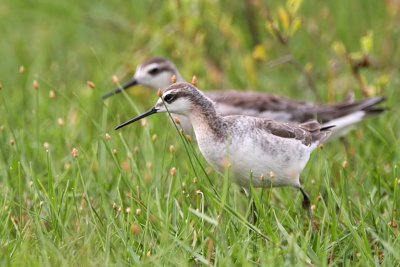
(207, 123)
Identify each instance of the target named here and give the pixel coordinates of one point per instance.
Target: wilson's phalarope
(157, 72)
(259, 151)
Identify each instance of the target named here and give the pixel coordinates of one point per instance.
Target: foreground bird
(157, 72)
(259, 151)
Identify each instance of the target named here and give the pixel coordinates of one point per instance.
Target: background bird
(157, 72)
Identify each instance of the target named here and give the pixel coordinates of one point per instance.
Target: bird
(156, 73)
(260, 152)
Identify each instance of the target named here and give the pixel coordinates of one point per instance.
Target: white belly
(277, 162)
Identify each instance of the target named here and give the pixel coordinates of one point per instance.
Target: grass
(142, 196)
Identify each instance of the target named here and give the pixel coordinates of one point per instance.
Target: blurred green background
(118, 203)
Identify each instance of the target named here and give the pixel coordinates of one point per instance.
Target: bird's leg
(306, 199)
(307, 206)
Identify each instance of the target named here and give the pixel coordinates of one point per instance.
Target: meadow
(74, 192)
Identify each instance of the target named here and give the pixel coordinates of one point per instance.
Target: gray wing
(297, 111)
(307, 133)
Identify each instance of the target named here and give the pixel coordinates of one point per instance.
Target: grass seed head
(35, 84)
(172, 149)
(21, 69)
(345, 164)
(177, 121)
(90, 84)
(115, 79)
(272, 175)
(2, 128)
(108, 137)
(52, 94)
(12, 142)
(149, 165)
(60, 121)
(194, 80)
(67, 166)
(138, 212)
(393, 224)
(154, 138)
(226, 163)
(172, 171)
(128, 210)
(126, 166)
(370, 91)
(315, 224)
(75, 153)
(46, 145)
(209, 170)
(144, 122)
(115, 151)
(136, 229)
(173, 79)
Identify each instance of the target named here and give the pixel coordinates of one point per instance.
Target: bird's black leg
(306, 199)
(307, 205)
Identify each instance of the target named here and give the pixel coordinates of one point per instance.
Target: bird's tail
(354, 113)
(369, 106)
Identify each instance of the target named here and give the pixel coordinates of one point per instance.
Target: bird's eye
(154, 71)
(169, 98)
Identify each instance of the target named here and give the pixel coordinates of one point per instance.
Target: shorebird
(259, 151)
(156, 73)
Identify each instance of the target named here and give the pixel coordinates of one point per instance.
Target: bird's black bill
(118, 90)
(148, 113)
